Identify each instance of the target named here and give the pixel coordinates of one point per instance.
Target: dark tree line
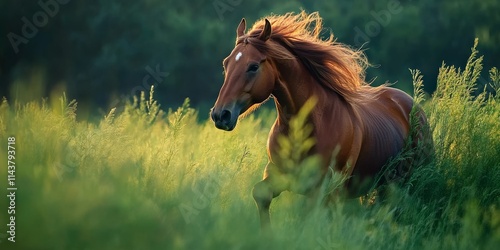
(101, 51)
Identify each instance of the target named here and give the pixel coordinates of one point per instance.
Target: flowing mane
(334, 65)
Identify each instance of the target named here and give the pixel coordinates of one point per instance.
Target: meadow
(149, 178)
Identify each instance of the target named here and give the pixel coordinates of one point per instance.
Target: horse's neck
(291, 93)
(294, 87)
(287, 95)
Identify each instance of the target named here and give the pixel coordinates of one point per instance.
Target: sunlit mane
(298, 36)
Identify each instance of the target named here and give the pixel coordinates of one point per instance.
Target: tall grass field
(152, 178)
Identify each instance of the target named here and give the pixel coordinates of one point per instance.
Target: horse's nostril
(212, 115)
(225, 115)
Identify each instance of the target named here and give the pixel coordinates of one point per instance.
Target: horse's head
(249, 80)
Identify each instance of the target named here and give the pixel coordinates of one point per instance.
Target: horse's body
(365, 126)
(365, 146)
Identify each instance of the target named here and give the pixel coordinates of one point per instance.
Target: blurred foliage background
(101, 51)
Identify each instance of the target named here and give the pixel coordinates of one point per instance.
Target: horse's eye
(253, 68)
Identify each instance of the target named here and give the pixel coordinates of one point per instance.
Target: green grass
(154, 179)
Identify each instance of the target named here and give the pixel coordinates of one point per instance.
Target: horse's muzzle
(224, 119)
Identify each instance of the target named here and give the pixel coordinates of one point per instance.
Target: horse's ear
(241, 28)
(266, 32)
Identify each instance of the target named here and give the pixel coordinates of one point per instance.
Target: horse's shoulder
(272, 140)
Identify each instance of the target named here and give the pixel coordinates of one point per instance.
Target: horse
(284, 57)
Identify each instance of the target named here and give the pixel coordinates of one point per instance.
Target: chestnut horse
(284, 57)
